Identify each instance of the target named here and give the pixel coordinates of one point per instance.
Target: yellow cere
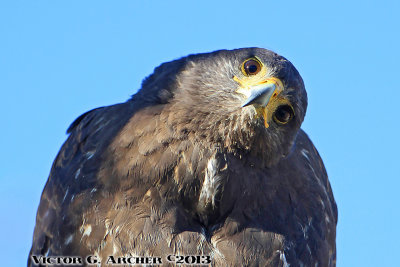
(246, 82)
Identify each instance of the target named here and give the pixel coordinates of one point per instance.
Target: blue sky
(59, 59)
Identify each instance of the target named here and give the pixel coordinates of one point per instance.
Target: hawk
(206, 159)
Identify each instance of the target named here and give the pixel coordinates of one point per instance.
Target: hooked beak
(262, 93)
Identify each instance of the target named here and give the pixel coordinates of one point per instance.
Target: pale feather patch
(304, 153)
(66, 193)
(86, 230)
(327, 220)
(69, 239)
(308, 249)
(322, 203)
(46, 214)
(77, 173)
(305, 228)
(47, 252)
(89, 154)
(211, 183)
(282, 257)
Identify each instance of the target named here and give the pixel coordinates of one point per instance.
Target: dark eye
(283, 114)
(251, 67)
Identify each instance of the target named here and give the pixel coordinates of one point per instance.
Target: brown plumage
(184, 167)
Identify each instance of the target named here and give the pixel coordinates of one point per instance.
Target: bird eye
(283, 114)
(251, 67)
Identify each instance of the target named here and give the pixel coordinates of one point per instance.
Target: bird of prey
(206, 160)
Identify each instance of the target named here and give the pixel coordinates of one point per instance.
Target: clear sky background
(59, 59)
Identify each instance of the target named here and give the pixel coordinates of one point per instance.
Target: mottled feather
(182, 168)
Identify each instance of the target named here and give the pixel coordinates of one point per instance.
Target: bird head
(248, 100)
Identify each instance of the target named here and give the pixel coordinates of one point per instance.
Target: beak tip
(260, 95)
(245, 104)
